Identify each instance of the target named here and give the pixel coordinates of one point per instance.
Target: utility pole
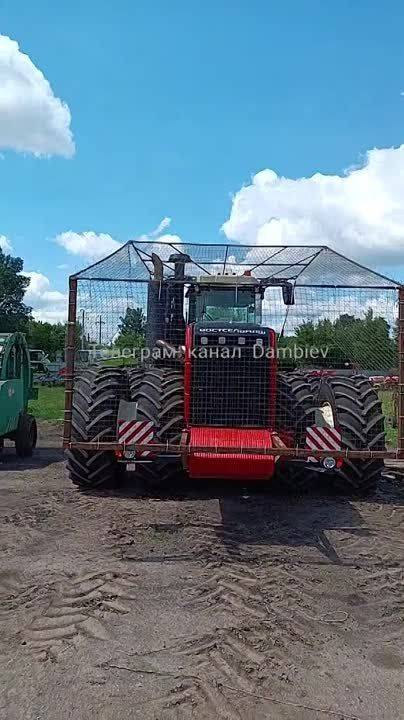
(101, 323)
(83, 337)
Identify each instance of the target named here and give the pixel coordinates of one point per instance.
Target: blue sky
(176, 105)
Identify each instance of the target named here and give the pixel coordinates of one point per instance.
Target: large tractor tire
(96, 397)
(356, 411)
(295, 411)
(159, 394)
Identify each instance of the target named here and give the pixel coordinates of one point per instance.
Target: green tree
(133, 322)
(131, 329)
(130, 340)
(14, 314)
(363, 343)
(47, 337)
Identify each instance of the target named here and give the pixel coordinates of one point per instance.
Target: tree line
(369, 342)
(16, 316)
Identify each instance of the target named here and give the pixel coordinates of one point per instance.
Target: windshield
(229, 304)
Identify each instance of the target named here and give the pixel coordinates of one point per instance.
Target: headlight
(130, 455)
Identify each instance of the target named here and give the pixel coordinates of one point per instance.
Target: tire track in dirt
(77, 609)
(268, 600)
(272, 599)
(255, 588)
(231, 656)
(233, 588)
(290, 590)
(263, 641)
(14, 593)
(300, 604)
(205, 696)
(241, 658)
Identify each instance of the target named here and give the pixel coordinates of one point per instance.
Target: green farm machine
(16, 424)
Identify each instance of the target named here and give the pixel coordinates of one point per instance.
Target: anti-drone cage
(346, 318)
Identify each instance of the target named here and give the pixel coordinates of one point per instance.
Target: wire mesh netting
(268, 325)
(306, 265)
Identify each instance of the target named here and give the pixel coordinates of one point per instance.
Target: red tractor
(211, 401)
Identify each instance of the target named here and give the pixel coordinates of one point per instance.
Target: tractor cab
(229, 298)
(180, 299)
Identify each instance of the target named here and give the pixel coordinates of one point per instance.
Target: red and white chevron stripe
(322, 438)
(136, 431)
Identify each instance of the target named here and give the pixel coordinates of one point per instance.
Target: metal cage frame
(293, 270)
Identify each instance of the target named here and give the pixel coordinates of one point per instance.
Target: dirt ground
(210, 603)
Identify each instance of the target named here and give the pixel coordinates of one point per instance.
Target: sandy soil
(210, 603)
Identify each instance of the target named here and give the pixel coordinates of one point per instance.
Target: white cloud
(94, 246)
(48, 305)
(163, 225)
(32, 119)
(90, 245)
(360, 214)
(4, 244)
(164, 240)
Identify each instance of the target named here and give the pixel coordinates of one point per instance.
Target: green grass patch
(120, 362)
(391, 436)
(50, 404)
(389, 412)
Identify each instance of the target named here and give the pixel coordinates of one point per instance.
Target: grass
(388, 408)
(50, 404)
(120, 362)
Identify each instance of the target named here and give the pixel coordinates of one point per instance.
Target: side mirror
(288, 294)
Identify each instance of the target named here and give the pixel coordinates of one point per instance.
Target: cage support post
(70, 353)
(400, 419)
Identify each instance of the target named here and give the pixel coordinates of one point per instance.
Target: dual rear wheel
(158, 393)
(96, 397)
(348, 402)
